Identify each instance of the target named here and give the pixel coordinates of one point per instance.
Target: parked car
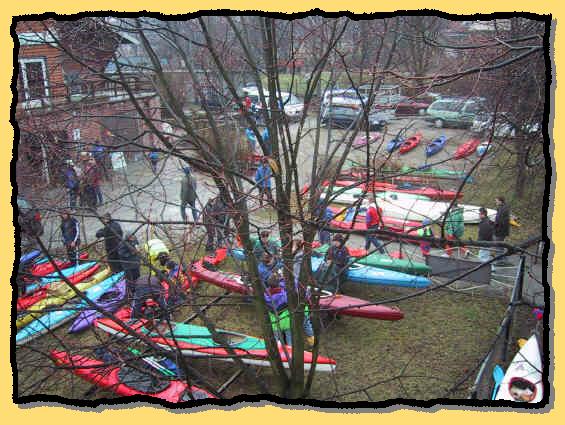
(455, 112)
(29, 218)
(293, 106)
(378, 119)
(343, 97)
(348, 117)
(503, 127)
(411, 107)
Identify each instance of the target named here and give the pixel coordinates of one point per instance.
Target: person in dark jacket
(112, 234)
(334, 269)
(188, 195)
(265, 244)
(70, 232)
(486, 229)
(130, 260)
(501, 222)
(71, 182)
(215, 221)
(145, 288)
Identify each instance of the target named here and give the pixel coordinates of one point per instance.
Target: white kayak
(349, 196)
(411, 207)
(522, 380)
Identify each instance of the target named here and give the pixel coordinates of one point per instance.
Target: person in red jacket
(373, 218)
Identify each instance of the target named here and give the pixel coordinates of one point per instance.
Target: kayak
(410, 143)
(394, 144)
(54, 319)
(342, 305)
(394, 195)
(467, 149)
(110, 302)
(368, 275)
(383, 261)
(362, 141)
(197, 341)
(30, 256)
(58, 297)
(80, 271)
(428, 171)
(523, 379)
(390, 223)
(435, 146)
(127, 381)
(46, 268)
(56, 290)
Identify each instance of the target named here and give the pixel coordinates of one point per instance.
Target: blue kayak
(394, 144)
(54, 319)
(30, 256)
(436, 145)
(56, 277)
(376, 276)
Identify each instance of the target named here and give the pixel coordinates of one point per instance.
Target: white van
(293, 106)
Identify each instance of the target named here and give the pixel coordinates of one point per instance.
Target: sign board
(449, 268)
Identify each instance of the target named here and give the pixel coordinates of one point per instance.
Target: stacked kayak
(45, 268)
(390, 223)
(54, 319)
(73, 274)
(428, 171)
(375, 276)
(109, 302)
(467, 149)
(436, 145)
(340, 304)
(197, 341)
(523, 379)
(410, 143)
(385, 262)
(59, 296)
(127, 381)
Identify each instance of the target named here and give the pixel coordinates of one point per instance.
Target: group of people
(83, 180)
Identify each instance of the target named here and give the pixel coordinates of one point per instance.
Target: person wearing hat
(427, 232)
(332, 274)
(501, 224)
(130, 261)
(112, 234)
(188, 194)
(265, 244)
(70, 232)
(263, 180)
(71, 182)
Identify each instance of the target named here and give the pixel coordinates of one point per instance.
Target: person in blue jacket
(267, 267)
(70, 232)
(72, 183)
(263, 181)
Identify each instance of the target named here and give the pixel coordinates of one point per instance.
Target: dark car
(340, 116)
(29, 219)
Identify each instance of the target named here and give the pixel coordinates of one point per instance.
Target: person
(298, 256)
(100, 156)
(501, 224)
(130, 260)
(373, 219)
(427, 232)
(251, 139)
(145, 288)
(71, 182)
(215, 221)
(263, 181)
(332, 273)
(324, 235)
(91, 194)
(154, 160)
(267, 267)
(265, 244)
(188, 195)
(70, 232)
(177, 274)
(486, 229)
(112, 234)
(265, 135)
(522, 390)
(454, 228)
(247, 104)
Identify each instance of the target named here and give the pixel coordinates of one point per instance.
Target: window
(33, 77)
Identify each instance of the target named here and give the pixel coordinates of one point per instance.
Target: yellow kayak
(59, 294)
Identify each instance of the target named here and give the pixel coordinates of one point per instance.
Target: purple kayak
(110, 301)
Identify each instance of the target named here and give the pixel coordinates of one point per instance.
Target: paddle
(497, 375)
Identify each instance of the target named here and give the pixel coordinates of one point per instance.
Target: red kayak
(340, 304)
(120, 379)
(43, 269)
(392, 224)
(467, 149)
(410, 143)
(27, 301)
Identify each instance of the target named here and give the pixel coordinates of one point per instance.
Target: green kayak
(434, 172)
(385, 262)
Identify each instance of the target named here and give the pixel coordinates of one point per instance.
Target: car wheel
(421, 112)
(438, 123)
